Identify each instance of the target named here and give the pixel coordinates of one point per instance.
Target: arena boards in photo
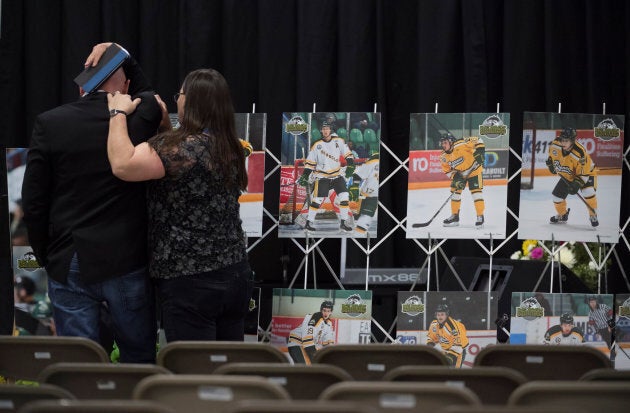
(465, 326)
(304, 321)
(622, 331)
(329, 176)
(458, 171)
(562, 319)
(252, 128)
(553, 203)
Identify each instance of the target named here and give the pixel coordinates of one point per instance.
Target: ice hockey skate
(345, 226)
(309, 227)
(452, 221)
(479, 222)
(560, 219)
(594, 221)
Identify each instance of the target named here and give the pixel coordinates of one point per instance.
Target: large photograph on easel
(251, 128)
(329, 175)
(571, 177)
(305, 321)
(562, 319)
(33, 312)
(458, 171)
(459, 324)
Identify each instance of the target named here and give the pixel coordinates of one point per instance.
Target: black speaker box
(508, 276)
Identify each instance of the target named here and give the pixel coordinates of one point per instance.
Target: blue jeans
(131, 303)
(206, 306)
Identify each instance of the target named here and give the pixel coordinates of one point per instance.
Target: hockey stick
(424, 224)
(566, 181)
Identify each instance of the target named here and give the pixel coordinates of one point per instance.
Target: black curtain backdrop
(343, 55)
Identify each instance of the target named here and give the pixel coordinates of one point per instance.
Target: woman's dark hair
(208, 108)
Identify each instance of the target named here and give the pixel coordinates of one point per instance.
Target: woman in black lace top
(196, 173)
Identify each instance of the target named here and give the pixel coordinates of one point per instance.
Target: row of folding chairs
(25, 357)
(218, 393)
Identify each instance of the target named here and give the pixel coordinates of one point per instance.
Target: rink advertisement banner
(459, 324)
(329, 176)
(571, 177)
(458, 172)
(305, 321)
(622, 331)
(251, 128)
(562, 319)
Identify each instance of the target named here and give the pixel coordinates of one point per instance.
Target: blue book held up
(92, 77)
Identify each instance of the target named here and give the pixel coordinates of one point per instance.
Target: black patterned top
(194, 222)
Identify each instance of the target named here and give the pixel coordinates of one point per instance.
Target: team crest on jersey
(354, 306)
(624, 309)
(413, 306)
(530, 309)
(607, 130)
(296, 126)
(493, 127)
(28, 262)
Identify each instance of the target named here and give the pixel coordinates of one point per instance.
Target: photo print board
(29, 319)
(555, 205)
(470, 314)
(320, 191)
(250, 128)
(304, 321)
(561, 319)
(622, 331)
(475, 157)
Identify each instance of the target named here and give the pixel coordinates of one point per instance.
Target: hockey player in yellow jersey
(569, 160)
(450, 334)
(462, 161)
(315, 331)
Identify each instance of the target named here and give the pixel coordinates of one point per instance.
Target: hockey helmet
(326, 124)
(25, 283)
(591, 297)
(567, 133)
(442, 308)
(566, 318)
(326, 304)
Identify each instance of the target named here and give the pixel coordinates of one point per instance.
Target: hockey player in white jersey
(315, 332)
(367, 173)
(324, 164)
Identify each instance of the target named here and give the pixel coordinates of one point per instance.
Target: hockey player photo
(571, 177)
(564, 333)
(458, 165)
(319, 194)
(457, 323)
(251, 129)
(306, 321)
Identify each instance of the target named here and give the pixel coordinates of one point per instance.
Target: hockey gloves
(459, 182)
(480, 156)
(247, 147)
(303, 179)
(353, 191)
(575, 185)
(350, 167)
(549, 163)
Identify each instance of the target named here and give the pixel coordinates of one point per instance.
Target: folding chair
(372, 361)
(23, 357)
(596, 397)
(401, 397)
(98, 380)
(505, 409)
(300, 381)
(14, 396)
(292, 406)
(493, 385)
(606, 375)
(203, 357)
(192, 393)
(543, 362)
(94, 406)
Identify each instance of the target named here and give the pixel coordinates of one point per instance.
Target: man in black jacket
(87, 227)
